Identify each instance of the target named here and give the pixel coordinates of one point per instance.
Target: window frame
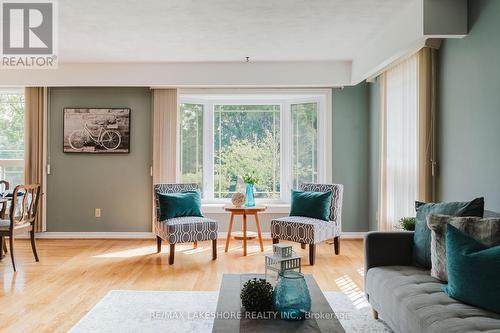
(284, 98)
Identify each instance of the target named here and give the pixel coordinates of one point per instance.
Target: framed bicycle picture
(96, 130)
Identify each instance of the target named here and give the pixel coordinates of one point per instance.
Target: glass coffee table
(230, 318)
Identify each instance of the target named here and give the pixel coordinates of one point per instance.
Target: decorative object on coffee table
(250, 181)
(245, 211)
(257, 296)
(323, 318)
(292, 300)
(238, 199)
(282, 259)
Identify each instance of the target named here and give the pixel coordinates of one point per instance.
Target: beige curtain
(35, 99)
(427, 86)
(164, 137)
(406, 137)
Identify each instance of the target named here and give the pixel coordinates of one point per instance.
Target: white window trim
(284, 97)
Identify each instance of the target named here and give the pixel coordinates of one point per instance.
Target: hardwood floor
(73, 275)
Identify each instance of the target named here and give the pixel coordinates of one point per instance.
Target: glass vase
(292, 300)
(249, 198)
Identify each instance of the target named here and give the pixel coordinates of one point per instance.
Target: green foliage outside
(11, 126)
(247, 142)
(191, 130)
(12, 137)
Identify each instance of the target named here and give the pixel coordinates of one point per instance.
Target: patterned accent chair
(182, 229)
(306, 230)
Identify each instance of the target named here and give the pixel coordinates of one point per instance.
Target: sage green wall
(118, 184)
(351, 153)
(468, 128)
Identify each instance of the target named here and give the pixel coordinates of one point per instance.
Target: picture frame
(96, 130)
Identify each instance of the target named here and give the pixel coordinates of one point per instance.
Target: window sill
(272, 208)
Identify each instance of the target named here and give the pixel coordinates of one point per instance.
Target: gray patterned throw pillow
(484, 230)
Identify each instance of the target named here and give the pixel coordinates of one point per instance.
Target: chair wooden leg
(171, 254)
(2, 249)
(312, 254)
(33, 244)
(11, 243)
(375, 314)
(302, 246)
(4, 245)
(336, 244)
(195, 244)
(214, 249)
(276, 240)
(158, 244)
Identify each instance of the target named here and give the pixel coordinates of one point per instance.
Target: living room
(230, 166)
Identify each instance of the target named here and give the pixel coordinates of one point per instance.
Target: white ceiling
(219, 30)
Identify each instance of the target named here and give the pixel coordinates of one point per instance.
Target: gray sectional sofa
(407, 298)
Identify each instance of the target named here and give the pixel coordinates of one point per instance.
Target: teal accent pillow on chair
(311, 204)
(422, 236)
(179, 204)
(473, 271)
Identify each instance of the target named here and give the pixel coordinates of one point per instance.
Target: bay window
(282, 139)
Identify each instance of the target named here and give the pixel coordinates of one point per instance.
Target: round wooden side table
(245, 211)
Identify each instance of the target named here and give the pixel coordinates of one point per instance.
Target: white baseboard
(144, 235)
(92, 235)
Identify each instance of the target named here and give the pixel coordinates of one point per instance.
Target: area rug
(170, 311)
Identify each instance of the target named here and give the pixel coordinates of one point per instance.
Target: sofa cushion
(484, 230)
(410, 300)
(315, 205)
(179, 204)
(474, 270)
(422, 237)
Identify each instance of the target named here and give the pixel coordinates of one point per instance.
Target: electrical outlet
(98, 212)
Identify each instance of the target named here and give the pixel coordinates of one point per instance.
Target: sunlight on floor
(181, 248)
(140, 251)
(355, 295)
(361, 271)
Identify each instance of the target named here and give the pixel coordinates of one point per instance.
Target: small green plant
(407, 223)
(257, 296)
(250, 178)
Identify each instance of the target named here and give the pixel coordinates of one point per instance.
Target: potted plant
(407, 223)
(250, 180)
(257, 296)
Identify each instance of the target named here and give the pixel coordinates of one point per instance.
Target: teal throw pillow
(311, 204)
(422, 236)
(179, 204)
(473, 270)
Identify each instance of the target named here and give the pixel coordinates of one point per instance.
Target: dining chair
(22, 217)
(3, 192)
